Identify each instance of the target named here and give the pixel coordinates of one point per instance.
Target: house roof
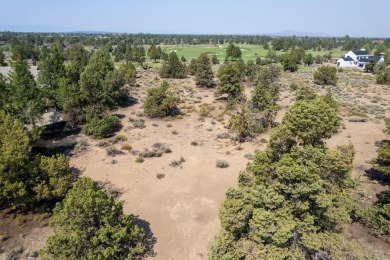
(377, 58)
(359, 52)
(348, 59)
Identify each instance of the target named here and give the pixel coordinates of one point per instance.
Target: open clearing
(180, 207)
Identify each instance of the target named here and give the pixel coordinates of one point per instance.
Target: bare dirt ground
(180, 207)
(6, 70)
(22, 234)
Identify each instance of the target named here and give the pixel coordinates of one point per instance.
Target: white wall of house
(345, 64)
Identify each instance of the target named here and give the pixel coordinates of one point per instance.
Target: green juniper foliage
(160, 101)
(89, 224)
(26, 180)
(291, 198)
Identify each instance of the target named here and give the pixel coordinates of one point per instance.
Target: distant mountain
(301, 34)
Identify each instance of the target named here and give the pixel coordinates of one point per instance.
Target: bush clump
(383, 78)
(222, 164)
(139, 159)
(194, 143)
(113, 151)
(150, 153)
(160, 175)
(377, 218)
(325, 75)
(223, 136)
(138, 123)
(358, 119)
(81, 144)
(162, 147)
(102, 127)
(126, 146)
(176, 163)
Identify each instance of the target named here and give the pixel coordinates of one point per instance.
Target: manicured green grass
(249, 52)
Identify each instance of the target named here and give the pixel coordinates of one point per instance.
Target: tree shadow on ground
(383, 195)
(378, 176)
(150, 240)
(57, 138)
(131, 101)
(120, 116)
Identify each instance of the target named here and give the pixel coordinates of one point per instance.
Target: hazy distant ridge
(301, 34)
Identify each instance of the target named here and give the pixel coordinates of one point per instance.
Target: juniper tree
(154, 53)
(52, 68)
(25, 98)
(325, 75)
(229, 82)
(78, 58)
(193, 67)
(214, 59)
(289, 206)
(2, 59)
(129, 72)
(173, 68)
(308, 59)
(204, 75)
(160, 101)
(27, 180)
(90, 224)
(101, 87)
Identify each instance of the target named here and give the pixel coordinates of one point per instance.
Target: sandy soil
(6, 70)
(182, 208)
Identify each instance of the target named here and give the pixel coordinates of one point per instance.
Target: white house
(357, 54)
(357, 59)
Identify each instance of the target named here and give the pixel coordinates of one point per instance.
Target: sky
(357, 18)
